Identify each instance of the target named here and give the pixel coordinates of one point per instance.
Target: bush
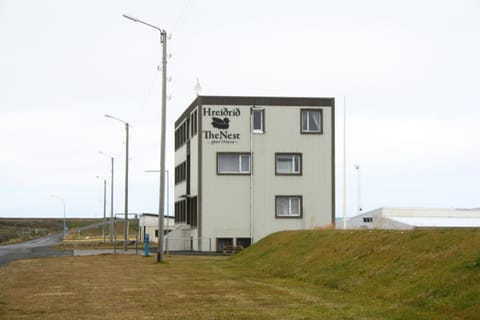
(6, 236)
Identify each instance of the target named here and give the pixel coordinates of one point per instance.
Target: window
(258, 120)
(180, 211)
(367, 219)
(181, 172)
(192, 211)
(193, 123)
(181, 135)
(233, 163)
(288, 163)
(311, 121)
(224, 242)
(288, 206)
(244, 242)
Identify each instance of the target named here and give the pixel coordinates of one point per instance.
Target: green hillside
(422, 274)
(18, 229)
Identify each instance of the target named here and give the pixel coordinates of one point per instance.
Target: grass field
(97, 232)
(134, 287)
(427, 274)
(20, 229)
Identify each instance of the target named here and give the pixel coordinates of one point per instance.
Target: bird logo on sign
(220, 123)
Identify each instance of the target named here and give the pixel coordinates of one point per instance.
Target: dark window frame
(320, 121)
(262, 112)
(300, 216)
(289, 154)
(192, 209)
(193, 123)
(182, 134)
(240, 173)
(181, 172)
(180, 211)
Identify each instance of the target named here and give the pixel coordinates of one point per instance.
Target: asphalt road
(41, 247)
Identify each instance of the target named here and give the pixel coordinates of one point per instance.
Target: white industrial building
(246, 167)
(148, 224)
(412, 218)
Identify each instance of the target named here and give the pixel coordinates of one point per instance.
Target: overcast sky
(409, 70)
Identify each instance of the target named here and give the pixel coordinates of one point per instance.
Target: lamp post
(111, 196)
(64, 215)
(125, 224)
(161, 209)
(104, 204)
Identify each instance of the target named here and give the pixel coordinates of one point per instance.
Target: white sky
(410, 72)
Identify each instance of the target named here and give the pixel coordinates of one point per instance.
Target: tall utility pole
(64, 217)
(104, 205)
(168, 193)
(359, 204)
(111, 195)
(161, 209)
(344, 164)
(125, 224)
(111, 204)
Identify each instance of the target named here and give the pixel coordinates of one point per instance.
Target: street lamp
(111, 196)
(104, 204)
(125, 224)
(161, 209)
(64, 215)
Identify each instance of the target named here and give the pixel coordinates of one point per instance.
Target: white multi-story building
(246, 167)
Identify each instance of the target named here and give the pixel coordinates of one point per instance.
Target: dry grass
(97, 233)
(135, 287)
(426, 274)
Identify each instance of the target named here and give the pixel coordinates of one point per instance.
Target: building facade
(246, 167)
(390, 218)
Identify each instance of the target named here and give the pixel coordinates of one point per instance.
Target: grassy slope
(417, 274)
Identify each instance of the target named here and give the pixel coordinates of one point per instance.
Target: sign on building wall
(219, 130)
